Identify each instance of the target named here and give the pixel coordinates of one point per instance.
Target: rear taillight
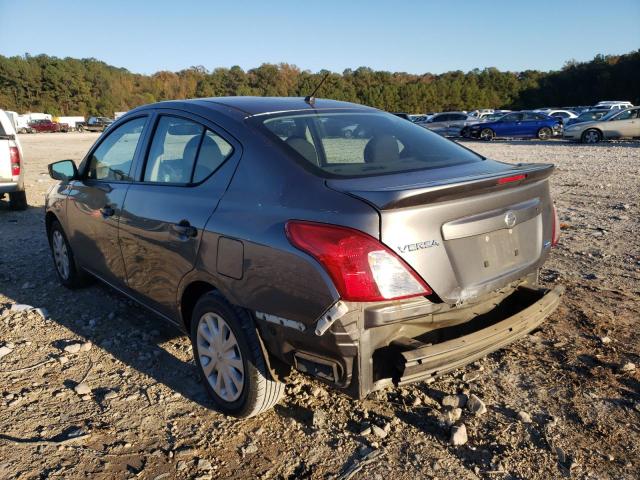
(513, 178)
(555, 230)
(362, 268)
(14, 155)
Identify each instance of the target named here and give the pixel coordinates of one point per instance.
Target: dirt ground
(563, 402)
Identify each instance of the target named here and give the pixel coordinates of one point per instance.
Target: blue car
(518, 125)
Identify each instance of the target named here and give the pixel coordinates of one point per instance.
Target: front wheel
(80, 128)
(22, 131)
(230, 359)
(68, 273)
(545, 133)
(591, 136)
(487, 134)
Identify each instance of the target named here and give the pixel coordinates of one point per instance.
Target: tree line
(68, 86)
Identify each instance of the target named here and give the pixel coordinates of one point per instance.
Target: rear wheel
(545, 133)
(18, 200)
(68, 273)
(229, 357)
(22, 130)
(487, 134)
(465, 132)
(591, 136)
(80, 128)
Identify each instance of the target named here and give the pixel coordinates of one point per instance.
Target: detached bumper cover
(442, 357)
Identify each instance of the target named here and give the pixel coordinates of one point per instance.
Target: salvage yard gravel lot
(94, 386)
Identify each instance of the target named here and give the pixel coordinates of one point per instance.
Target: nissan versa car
(367, 261)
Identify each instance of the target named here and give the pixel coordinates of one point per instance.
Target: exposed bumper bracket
(338, 310)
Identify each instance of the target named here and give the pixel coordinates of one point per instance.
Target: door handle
(107, 211)
(184, 229)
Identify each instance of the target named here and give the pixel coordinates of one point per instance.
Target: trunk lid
(467, 229)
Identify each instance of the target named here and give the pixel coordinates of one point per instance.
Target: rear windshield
(362, 144)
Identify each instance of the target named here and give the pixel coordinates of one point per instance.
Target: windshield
(362, 144)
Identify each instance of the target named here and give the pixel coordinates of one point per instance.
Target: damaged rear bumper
(395, 343)
(432, 360)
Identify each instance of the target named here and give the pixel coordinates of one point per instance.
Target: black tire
(591, 135)
(22, 130)
(545, 133)
(465, 132)
(260, 392)
(18, 200)
(80, 128)
(76, 277)
(487, 134)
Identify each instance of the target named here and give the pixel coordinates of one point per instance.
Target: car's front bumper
(569, 135)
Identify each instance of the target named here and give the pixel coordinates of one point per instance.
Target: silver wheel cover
(60, 254)
(220, 357)
(592, 136)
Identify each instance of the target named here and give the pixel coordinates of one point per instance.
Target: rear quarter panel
(268, 189)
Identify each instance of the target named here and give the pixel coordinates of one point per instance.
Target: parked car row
(43, 122)
(542, 123)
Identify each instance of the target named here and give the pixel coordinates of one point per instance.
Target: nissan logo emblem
(510, 219)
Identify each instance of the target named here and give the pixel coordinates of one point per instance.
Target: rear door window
(173, 151)
(184, 152)
(214, 150)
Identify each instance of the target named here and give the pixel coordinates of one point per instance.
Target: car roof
(262, 105)
(242, 107)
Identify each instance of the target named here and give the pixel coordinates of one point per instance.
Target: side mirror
(64, 170)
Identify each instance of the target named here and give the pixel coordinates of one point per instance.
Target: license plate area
(481, 258)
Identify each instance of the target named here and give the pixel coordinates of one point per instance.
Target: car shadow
(138, 339)
(5, 209)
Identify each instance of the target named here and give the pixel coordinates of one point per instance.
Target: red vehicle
(48, 126)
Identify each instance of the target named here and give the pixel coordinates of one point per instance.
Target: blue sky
(412, 36)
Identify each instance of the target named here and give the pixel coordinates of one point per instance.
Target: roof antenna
(310, 99)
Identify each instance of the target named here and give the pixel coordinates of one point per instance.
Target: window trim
(138, 179)
(86, 161)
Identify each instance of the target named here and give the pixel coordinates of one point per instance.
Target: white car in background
(613, 105)
(11, 165)
(563, 115)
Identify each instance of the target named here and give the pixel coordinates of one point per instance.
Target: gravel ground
(113, 393)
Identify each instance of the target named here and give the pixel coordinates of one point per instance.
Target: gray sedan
(449, 124)
(275, 241)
